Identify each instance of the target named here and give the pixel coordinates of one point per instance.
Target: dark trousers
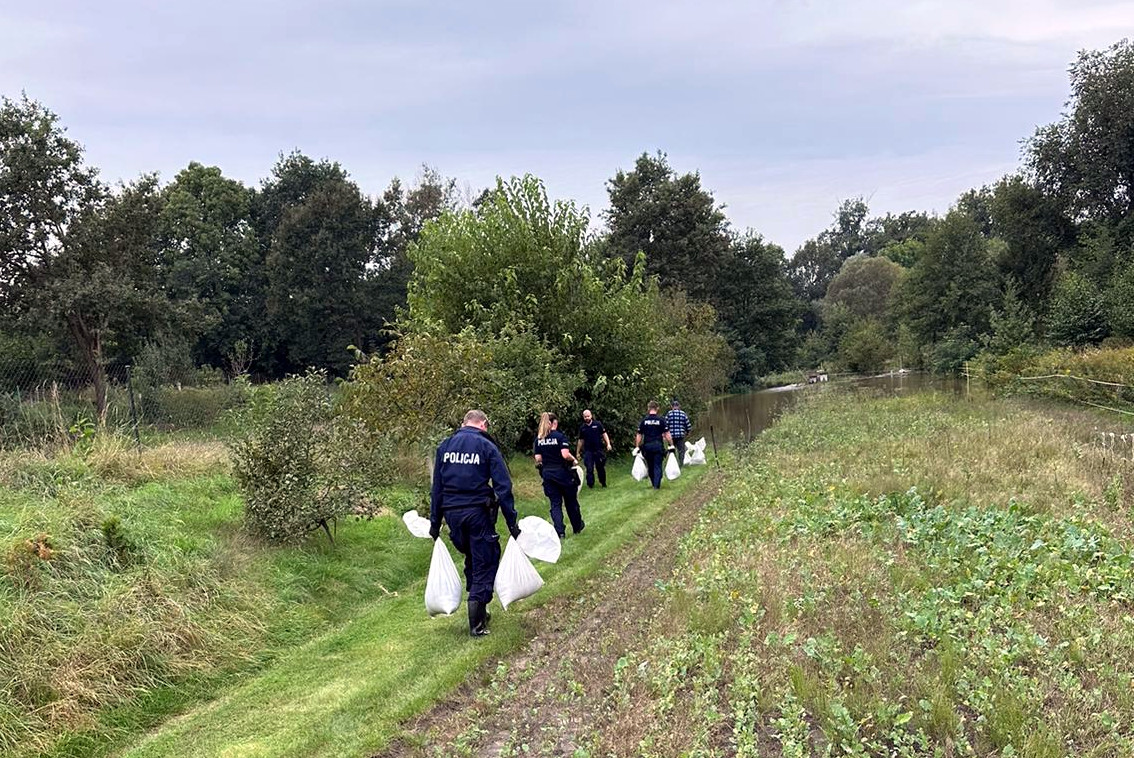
(595, 461)
(654, 454)
(679, 443)
(473, 531)
(560, 487)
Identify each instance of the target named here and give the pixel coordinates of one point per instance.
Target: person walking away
(553, 459)
(470, 479)
(652, 437)
(679, 426)
(593, 445)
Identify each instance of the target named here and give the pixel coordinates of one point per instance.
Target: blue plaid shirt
(678, 423)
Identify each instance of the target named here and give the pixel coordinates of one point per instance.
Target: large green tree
(211, 257)
(864, 286)
(78, 260)
(319, 231)
(1086, 160)
(1034, 230)
(757, 309)
(673, 220)
(519, 264)
(953, 286)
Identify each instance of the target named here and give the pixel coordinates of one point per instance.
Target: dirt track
(551, 696)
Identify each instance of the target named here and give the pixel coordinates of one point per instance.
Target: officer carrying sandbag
(469, 479)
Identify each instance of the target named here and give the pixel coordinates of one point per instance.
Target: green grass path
(345, 692)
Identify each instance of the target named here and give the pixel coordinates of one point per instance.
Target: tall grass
(125, 574)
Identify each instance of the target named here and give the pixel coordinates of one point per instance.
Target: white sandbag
(516, 578)
(538, 539)
(443, 587)
(672, 470)
(695, 453)
(581, 474)
(639, 470)
(418, 526)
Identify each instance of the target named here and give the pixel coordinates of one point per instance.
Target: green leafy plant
(301, 464)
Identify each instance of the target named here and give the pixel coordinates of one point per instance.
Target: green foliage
(1119, 302)
(905, 253)
(953, 284)
(864, 286)
(865, 348)
(419, 392)
(320, 245)
(520, 265)
(948, 355)
(1034, 230)
(673, 220)
(300, 463)
(1100, 376)
(210, 255)
(1076, 316)
(1085, 160)
(1012, 326)
(757, 309)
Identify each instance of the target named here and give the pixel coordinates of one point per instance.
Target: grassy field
(924, 576)
(131, 594)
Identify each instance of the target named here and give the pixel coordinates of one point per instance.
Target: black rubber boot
(478, 619)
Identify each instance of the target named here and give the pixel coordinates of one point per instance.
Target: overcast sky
(785, 107)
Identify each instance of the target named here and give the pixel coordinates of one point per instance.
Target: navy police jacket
(468, 470)
(591, 435)
(653, 429)
(549, 449)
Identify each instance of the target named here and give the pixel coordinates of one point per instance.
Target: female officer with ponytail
(553, 459)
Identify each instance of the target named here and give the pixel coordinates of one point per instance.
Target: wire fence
(1113, 397)
(44, 407)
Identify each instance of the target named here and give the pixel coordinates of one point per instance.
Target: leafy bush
(419, 392)
(1076, 314)
(300, 463)
(1068, 374)
(948, 355)
(865, 348)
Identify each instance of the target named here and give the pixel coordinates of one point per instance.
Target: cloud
(787, 106)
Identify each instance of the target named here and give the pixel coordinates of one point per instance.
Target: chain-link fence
(45, 407)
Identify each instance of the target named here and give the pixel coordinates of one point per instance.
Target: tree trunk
(90, 349)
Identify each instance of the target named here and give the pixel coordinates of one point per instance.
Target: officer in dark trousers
(470, 479)
(593, 445)
(652, 438)
(561, 485)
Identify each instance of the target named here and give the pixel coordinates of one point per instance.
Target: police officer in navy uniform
(470, 479)
(593, 445)
(652, 438)
(560, 484)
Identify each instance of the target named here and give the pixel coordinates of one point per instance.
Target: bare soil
(551, 697)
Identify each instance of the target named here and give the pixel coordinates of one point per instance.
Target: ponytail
(545, 421)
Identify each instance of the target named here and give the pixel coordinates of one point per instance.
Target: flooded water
(738, 418)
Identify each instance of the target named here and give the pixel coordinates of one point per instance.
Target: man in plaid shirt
(679, 426)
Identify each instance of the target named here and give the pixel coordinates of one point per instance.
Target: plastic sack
(695, 453)
(516, 578)
(579, 476)
(538, 539)
(443, 587)
(418, 526)
(639, 470)
(672, 470)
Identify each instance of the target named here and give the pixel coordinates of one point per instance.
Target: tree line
(308, 270)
